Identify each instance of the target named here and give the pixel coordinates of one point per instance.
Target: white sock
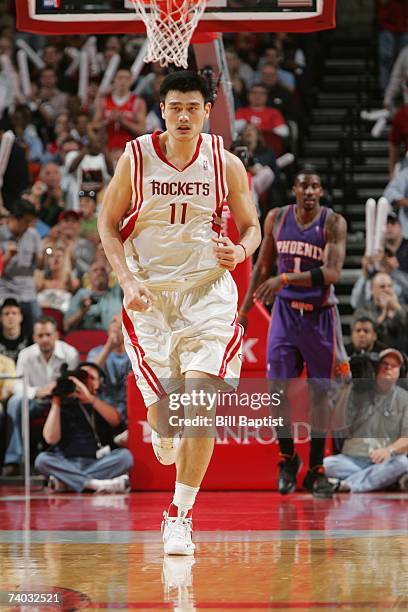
(184, 497)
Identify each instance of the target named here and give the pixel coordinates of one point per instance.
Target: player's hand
(379, 455)
(267, 291)
(137, 297)
(228, 254)
(81, 392)
(243, 320)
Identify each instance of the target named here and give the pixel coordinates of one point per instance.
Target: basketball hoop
(170, 25)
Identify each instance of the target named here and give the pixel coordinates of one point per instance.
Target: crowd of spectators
(62, 145)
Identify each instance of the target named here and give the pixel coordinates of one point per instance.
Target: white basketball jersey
(174, 213)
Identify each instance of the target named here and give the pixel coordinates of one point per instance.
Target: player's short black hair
(307, 170)
(184, 81)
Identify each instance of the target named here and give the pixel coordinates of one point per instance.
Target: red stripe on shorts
(144, 367)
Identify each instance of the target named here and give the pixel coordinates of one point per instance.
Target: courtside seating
(86, 339)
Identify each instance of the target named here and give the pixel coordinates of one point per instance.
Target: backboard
(118, 16)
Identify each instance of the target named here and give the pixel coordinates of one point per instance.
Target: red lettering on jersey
(177, 189)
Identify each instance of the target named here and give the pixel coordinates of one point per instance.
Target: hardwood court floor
(255, 551)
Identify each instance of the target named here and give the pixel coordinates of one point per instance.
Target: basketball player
(180, 301)
(307, 242)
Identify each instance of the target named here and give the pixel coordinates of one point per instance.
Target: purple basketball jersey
(300, 250)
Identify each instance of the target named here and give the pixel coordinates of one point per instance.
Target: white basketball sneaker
(177, 532)
(165, 449)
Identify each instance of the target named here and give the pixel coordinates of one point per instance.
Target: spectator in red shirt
(268, 120)
(392, 23)
(398, 137)
(122, 113)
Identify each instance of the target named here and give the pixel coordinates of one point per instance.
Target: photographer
(94, 308)
(79, 427)
(374, 453)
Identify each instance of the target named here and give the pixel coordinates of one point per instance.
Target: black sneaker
(317, 484)
(288, 468)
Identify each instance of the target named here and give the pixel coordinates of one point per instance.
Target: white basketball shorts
(195, 329)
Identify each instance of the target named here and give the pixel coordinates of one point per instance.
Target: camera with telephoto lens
(363, 368)
(65, 386)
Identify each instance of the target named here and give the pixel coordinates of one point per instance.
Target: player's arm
(333, 257)
(264, 266)
(115, 204)
(329, 273)
(245, 216)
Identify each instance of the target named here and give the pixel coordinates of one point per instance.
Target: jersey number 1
(296, 264)
(183, 213)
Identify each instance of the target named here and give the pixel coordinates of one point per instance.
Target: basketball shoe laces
(177, 528)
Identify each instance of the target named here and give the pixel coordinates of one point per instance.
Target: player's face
(363, 336)
(308, 191)
(185, 114)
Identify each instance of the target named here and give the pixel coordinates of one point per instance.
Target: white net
(170, 24)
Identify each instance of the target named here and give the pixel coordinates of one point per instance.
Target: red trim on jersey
(222, 181)
(232, 347)
(144, 367)
(130, 220)
(282, 222)
(161, 155)
(217, 187)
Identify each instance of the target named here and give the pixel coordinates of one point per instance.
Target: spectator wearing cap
(396, 193)
(374, 454)
(87, 208)
(364, 337)
(13, 338)
(94, 308)
(268, 120)
(41, 364)
(385, 309)
(21, 245)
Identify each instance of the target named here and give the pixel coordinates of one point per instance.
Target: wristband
(284, 279)
(317, 277)
(241, 245)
